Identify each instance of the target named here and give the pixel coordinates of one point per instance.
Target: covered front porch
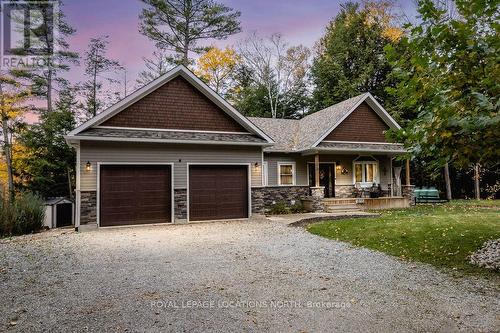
(359, 179)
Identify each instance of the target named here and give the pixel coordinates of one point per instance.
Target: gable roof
(308, 132)
(152, 86)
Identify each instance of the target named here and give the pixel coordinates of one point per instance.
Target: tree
(45, 80)
(248, 97)
(96, 65)
(216, 67)
(155, 67)
(350, 58)
(47, 164)
(179, 25)
(281, 69)
(12, 97)
(449, 78)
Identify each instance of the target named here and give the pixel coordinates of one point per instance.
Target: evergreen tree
(46, 164)
(51, 40)
(179, 25)
(96, 65)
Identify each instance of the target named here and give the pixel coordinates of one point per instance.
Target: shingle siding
(362, 125)
(175, 105)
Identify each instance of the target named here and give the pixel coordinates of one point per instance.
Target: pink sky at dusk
(300, 22)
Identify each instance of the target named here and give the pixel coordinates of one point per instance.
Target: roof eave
(316, 150)
(72, 139)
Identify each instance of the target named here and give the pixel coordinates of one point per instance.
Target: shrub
(7, 217)
(297, 208)
(279, 208)
(22, 216)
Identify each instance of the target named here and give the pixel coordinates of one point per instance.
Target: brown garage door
(218, 192)
(134, 194)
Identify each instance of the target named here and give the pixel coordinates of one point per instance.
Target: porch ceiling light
(88, 166)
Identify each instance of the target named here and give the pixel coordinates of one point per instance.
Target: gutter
(347, 150)
(74, 139)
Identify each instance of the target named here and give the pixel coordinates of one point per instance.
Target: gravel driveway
(235, 276)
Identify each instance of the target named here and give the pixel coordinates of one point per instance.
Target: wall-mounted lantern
(88, 166)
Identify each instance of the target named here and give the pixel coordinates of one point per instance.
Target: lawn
(441, 235)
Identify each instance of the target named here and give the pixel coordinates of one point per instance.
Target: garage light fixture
(88, 166)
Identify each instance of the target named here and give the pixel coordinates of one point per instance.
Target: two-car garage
(143, 194)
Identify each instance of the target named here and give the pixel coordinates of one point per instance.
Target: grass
(441, 235)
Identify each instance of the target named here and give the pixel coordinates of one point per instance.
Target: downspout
(262, 167)
(77, 190)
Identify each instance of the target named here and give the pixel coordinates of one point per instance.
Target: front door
(326, 177)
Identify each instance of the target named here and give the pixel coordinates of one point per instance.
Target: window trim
(363, 163)
(294, 173)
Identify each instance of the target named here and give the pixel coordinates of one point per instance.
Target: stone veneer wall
(344, 191)
(264, 197)
(409, 193)
(180, 204)
(88, 207)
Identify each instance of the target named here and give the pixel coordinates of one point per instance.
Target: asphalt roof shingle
(171, 135)
(283, 132)
(297, 135)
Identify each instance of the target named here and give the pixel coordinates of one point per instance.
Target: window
(286, 173)
(264, 174)
(366, 171)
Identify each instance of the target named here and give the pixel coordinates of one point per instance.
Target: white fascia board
(74, 139)
(386, 117)
(152, 86)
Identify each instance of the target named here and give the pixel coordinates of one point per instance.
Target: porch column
(316, 170)
(408, 190)
(407, 172)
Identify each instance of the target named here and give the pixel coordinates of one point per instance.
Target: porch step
(334, 205)
(339, 201)
(342, 208)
